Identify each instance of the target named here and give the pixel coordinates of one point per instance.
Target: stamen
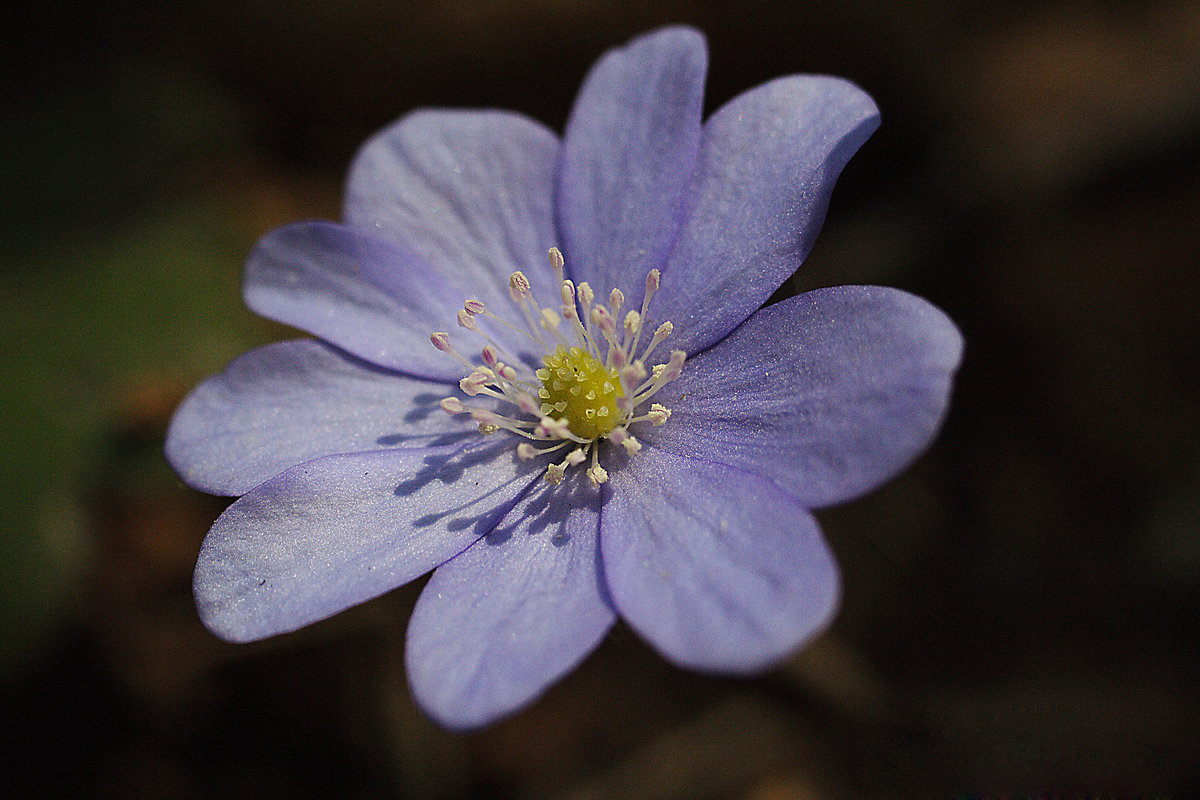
(556, 263)
(452, 405)
(652, 282)
(658, 415)
(674, 366)
(553, 428)
(596, 473)
(527, 404)
(633, 374)
(586, 295)
(518, 286)
(615, 300)
(551, 320)
(663, 332)
(603, 320)
(633, 324)
(521, 293)
(625, 439)
(477, 381)
(576, 399)
(441, 340)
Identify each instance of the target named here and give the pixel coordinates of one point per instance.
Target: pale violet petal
(290, 402)
(337, 531)
(767, 166)
(469, 192)
(828, 394)
(511, 615)
(627, 159)
(316, 277)
(718, 569)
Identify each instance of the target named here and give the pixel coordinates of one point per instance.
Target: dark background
(1021, 607)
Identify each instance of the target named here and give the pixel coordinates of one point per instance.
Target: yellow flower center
(578, 388)
(582, 399)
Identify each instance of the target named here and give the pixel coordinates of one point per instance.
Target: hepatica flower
(542, 372)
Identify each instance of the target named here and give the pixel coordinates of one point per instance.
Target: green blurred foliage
(117, 284)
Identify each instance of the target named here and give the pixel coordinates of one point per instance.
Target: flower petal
(828, 394)
(337, 531)
(768, 162)
(316, 276)
(720, 570)
(291, 402)
(469, 192)
(501, 622)
(627, 159)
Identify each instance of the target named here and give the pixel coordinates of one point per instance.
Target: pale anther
(675, 365)
(652, 281)
(602, 318)
(474, 383)
(518, 284)
(633, 374)
(553, 428)
(597, 474)
(484, 417)
(452, 405)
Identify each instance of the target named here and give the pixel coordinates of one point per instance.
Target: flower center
(592, 382)
(581, 390)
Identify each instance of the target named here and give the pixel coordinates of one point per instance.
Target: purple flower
(567, 454)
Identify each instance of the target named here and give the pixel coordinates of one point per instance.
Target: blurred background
(1021, 607)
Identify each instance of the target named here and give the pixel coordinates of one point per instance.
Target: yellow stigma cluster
(578, 388)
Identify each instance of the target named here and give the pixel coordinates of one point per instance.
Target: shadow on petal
(450, 468)
(423, 406)
(425, 440)
(545, 513)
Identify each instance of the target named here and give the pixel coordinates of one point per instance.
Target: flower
(674, 490)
